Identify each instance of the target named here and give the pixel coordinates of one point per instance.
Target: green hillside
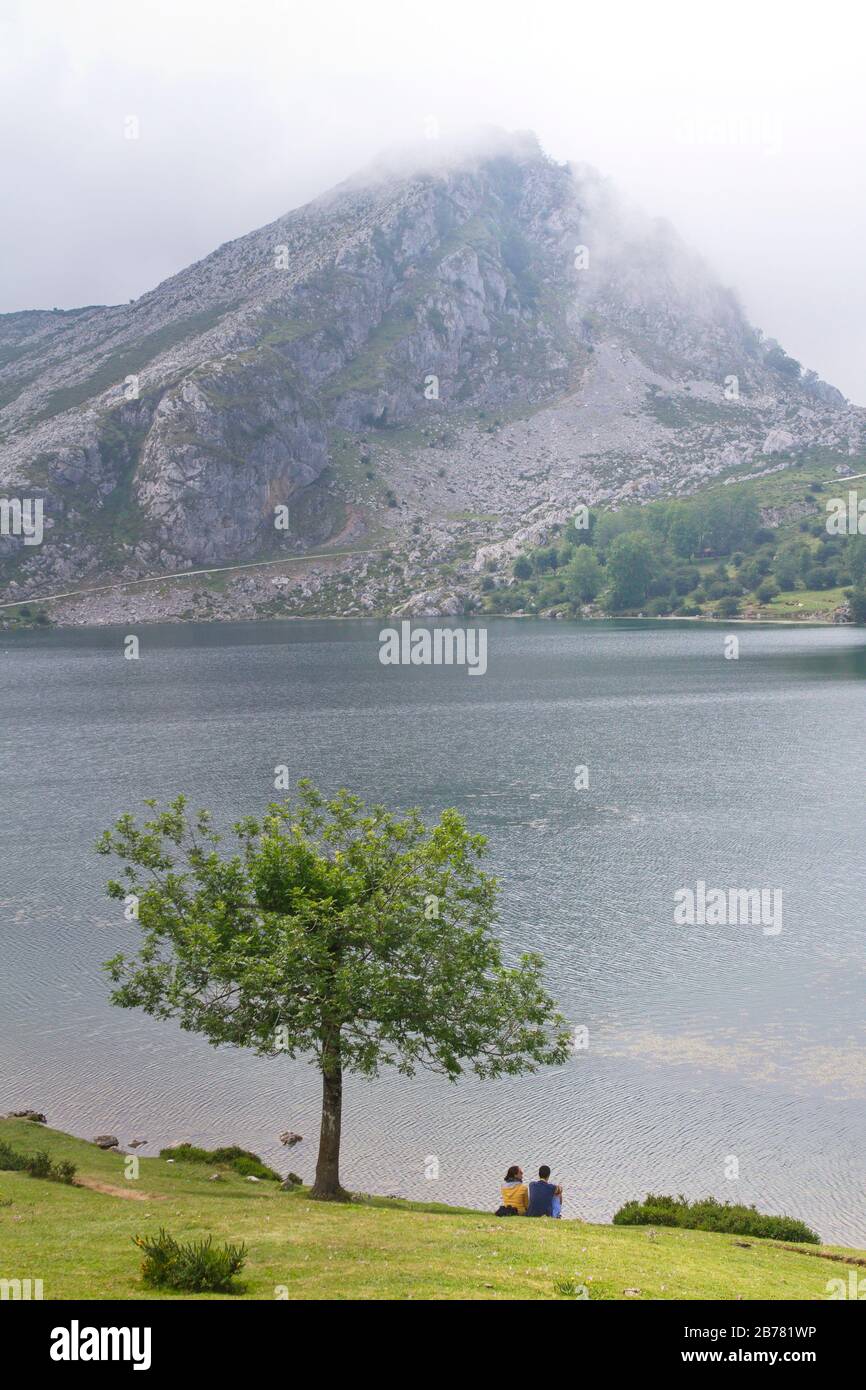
(78, 1240)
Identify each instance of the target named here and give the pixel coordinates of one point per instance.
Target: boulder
(106, 1141)
(35, 1115)
(290, 1139)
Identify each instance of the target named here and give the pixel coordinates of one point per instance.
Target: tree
(857, 601)
(334, 930)
(522, 568)
(583, 576)
(855, 559)
(685, 532)
(789, 563)
(545, 559)
(766, 591)
(630, 566)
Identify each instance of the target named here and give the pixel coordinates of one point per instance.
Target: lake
(714, 1050)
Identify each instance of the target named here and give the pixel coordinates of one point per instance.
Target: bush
(820, 577)
(657, 607)
(241, 1160)
(38, 1165)
(766, 590)
(10, 1161)
(190, 1266)
(857, 600)
(708, 1214)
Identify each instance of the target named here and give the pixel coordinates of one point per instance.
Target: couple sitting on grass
(541, 1198)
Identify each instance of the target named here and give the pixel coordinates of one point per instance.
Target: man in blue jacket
(545, 1198)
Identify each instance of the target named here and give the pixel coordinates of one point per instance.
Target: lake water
(706, 1043)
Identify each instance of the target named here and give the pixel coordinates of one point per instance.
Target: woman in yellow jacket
(515, 1193)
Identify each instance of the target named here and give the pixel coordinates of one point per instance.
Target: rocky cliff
(436, 364)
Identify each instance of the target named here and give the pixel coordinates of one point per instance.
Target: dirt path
(130, 1193)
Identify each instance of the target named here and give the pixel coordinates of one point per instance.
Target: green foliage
(38, 1165)
(190, 1266)
(857, 601)
(241, 1160)
(10, 1160)
(329, 912)
(668, 557)
(791, 562)
(708, 1214)
(583, 576)
(630, 568)
(766, 590)
(567, 1288)
(330, 929)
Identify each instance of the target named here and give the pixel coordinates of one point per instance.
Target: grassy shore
(78, 1240)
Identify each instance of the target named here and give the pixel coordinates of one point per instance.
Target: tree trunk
(327, 1185)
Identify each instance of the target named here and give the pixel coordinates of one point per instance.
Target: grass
(79, 1241)
(798, 603)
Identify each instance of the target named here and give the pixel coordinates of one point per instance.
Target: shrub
(857, 600)
(241, 1160)
(38, 1165)
(10, 1161)
(766, 590)
(708, 1214)
(190, 1266)
(820, 577)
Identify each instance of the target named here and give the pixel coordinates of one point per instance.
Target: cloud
(744, 127)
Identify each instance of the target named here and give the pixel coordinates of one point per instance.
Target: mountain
(429, 365)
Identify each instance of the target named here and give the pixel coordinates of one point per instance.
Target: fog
(741, 123)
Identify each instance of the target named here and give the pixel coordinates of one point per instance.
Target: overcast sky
(744, 123)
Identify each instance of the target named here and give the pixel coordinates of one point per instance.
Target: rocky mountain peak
(469, 330)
